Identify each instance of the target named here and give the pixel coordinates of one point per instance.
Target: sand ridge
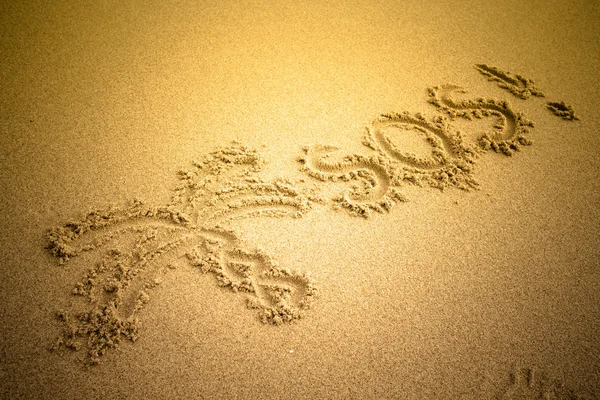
(562, 110)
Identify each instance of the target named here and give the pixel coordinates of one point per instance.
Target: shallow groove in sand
(516, 84)
(510, 131)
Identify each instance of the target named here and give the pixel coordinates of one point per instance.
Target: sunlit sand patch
(563, 110)
(516, 84)
(510, 130)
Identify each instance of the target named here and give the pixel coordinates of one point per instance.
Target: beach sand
(241, 200)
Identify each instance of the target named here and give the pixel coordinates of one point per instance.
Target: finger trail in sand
(509, 132)
(515, 83)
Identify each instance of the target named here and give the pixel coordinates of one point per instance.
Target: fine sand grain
(241, 200)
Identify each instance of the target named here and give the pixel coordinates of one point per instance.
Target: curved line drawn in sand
(223, 186)
(376, 189)
(131, 249)
(442, 146)
(562, 110)
(509, 132)
(529, 384)
(449, 164)
(381, 176)
(255, 198)
(516, 84)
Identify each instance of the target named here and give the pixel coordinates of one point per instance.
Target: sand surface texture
(242, 200)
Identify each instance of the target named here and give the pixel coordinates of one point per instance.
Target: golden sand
(349, 225)
(225, 185)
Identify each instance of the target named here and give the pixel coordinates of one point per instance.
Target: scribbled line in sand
(562, 110)
(510, 131)
(524, 88)
(132, 249)
(224, 186)
(516, 84)
(375, 190)
(530, 384)
(380, 176)
(449, 162)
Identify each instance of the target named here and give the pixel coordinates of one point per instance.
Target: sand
(240, 200)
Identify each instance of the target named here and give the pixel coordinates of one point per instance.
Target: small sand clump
(562, 110)
(100, 330)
